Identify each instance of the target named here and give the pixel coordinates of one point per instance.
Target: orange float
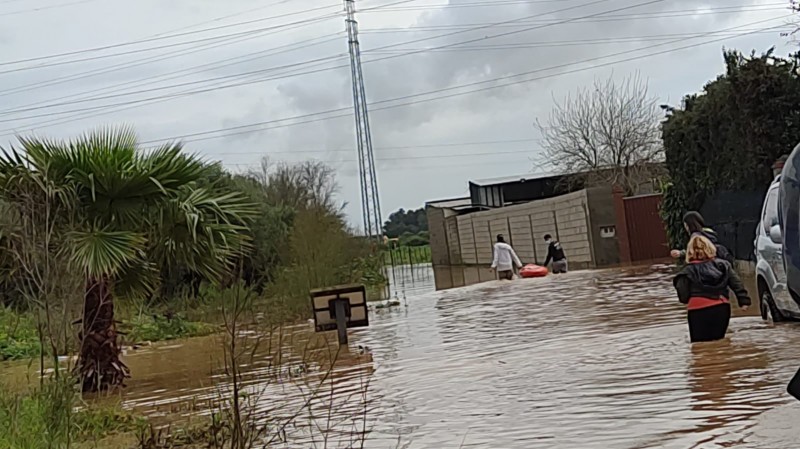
(533, 271)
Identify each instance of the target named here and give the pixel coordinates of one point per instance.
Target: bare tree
(308, 184)
(606, 134)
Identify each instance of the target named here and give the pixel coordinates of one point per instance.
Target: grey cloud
(495, 114)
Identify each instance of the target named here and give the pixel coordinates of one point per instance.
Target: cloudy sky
(455, 86)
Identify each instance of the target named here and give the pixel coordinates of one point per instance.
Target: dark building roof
(499, 192)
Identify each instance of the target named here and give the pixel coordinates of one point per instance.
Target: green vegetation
(18, 336)
(409, 238)
(52, 416)
(403, 222)
(98, 234)
(408, 255)
(728, 136)
(158, 328)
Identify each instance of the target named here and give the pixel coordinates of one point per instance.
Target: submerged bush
(18, 336)
(158, 328)
(52, 417)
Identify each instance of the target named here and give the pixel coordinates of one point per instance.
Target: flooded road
(591, 359)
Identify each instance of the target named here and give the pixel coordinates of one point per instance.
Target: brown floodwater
(591, 359)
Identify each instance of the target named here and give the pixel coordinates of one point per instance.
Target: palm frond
(203, 230)
(98, 252)
(138, 278)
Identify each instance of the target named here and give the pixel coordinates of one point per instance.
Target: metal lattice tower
(370, 201)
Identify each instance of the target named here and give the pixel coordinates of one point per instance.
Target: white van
(776, 302)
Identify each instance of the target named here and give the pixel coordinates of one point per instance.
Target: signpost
(340, 308)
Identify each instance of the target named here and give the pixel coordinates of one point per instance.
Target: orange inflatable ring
(533, 271)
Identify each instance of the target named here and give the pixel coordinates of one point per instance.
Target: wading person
(555, 253)
(703, 285)
(695, 225)
(504, 259)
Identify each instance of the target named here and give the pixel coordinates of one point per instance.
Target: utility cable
(241, 129)
(224, 62)
(445, 35)
(45, 8)
(128, 65)
(470, 84)
(379, 148)
(168, 36)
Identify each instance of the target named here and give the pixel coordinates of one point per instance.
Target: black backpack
(722, 252)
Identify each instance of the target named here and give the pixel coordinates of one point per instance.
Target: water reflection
(593, 359)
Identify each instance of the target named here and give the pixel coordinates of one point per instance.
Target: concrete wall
(461, 245)
(600, 201)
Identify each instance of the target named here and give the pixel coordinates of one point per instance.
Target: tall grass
(19, 338)
(408, 255)
(52, 416)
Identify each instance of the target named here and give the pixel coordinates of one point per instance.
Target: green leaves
(102, 253)
(728, 137)
(132, 212)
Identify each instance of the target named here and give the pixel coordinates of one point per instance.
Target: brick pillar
(622, 226)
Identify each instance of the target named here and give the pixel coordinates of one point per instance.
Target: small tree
(133, 211)
(608, 134)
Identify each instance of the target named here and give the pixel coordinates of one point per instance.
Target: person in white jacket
(504, 259)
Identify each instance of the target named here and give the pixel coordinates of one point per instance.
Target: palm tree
(133, 212)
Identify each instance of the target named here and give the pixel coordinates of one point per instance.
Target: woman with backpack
(695, 225)
(704, 285)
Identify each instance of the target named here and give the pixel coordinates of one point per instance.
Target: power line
(405, 147)
(567, 43)
(241, 128)
(44, 8)
(159, 37)
(305, 116)
(135, 104)
(174, 44)
(500, 3)
(93, 73)
(608, 18)
(144, 50)
(127, 65)
(169, 36)
(221, 18)
(391, 167)
(475, 48)
(155, 89)
(457, 87)
(415, 41)
(441, 156)
(166, 76)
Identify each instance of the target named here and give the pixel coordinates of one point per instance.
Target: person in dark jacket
(703, 285)
(555, 253)
(694, 224)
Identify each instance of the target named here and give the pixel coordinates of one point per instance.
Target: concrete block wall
(461, 245)
(438, 236)
(524, 226)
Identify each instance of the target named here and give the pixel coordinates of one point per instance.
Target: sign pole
(341, 320)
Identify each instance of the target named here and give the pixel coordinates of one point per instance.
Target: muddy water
(593, 359)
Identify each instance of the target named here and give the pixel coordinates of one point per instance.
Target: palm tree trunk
(99, 365)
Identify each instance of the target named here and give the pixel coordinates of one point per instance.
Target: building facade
(463, 234)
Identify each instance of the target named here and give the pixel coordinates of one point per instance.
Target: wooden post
(533, 239)
(555, 222)
(623, 240)
(341, 321)
(474, 240)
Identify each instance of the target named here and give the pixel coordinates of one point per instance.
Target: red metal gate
(647, 233)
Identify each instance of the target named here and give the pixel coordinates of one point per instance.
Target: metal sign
(340, 308)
